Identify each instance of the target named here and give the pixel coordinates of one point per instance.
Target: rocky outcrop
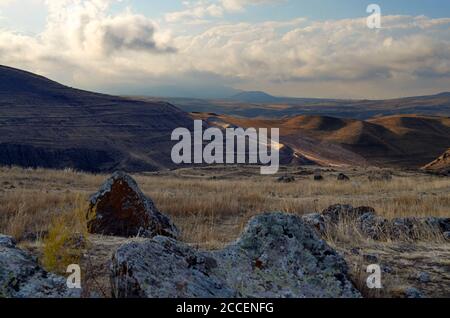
(120, 208)
(376, 227)
(22, 277)
(278, 255)
(338, 212)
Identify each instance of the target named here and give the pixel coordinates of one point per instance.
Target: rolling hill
(46, 124)
(440, 165)
(397, 141)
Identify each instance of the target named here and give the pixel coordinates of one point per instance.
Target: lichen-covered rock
(315, 220)
(373, 226)
(338, 212)
(165, 268)
(412, 292)
(424, 278)
(22, 277)
(278, 255)
(413, 228)
(121, 209)
(7, 241)
(376, 227)
(404, 228)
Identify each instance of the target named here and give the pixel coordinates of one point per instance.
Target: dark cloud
(131, 33)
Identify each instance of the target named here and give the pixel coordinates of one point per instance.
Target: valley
(58, 145)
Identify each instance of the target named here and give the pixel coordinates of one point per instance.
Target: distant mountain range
(260, 104)
(256, 97)
(46, 124)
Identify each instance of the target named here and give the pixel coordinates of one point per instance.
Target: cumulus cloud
(407, 53)
(341, 50)
(85, 46)
(84, 27)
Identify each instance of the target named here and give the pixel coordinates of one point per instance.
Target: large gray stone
(22, 277)
(278, 255)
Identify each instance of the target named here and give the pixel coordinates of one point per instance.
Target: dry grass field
(211, 205)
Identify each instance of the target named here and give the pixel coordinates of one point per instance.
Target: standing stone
(120, 208)
(278, 255)
(22, 277)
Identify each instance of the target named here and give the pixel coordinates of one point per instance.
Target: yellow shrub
(67, 238)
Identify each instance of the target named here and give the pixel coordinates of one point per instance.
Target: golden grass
(67, 238)
(213, 212)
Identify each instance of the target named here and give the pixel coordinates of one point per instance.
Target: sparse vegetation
(67, 238)
(212, 205)
(213, 211)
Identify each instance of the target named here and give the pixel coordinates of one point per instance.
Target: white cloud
(85, 46)
(341, 50)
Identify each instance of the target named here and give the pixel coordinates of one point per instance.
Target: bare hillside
(46, 124)
(401, 140)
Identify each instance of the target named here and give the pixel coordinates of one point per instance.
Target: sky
(214, 48)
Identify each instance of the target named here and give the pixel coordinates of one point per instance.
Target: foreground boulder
(278, 255)
(22, 277)
(120, 208)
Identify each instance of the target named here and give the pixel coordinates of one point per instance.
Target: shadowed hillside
(46, 124)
